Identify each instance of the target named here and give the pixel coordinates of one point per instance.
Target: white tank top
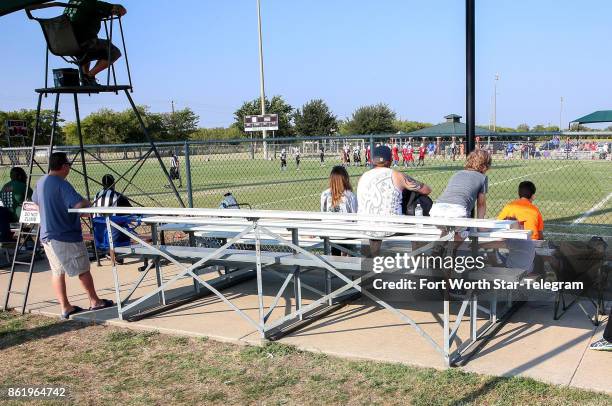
(377, 195)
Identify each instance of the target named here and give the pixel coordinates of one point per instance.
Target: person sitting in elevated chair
(86, 17)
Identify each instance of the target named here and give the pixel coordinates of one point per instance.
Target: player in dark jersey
(283, 159)
(368, 156)
(296, 152)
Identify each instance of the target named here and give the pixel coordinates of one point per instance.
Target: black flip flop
(105, 304)
(75, 310)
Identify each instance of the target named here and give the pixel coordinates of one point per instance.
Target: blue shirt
(54, 196)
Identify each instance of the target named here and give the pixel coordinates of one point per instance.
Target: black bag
(580, 258)
(410, 200)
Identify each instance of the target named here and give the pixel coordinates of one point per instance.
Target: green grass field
(568, 191)
(104, 365)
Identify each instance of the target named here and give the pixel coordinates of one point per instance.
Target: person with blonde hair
(339, 197)
(466, 189)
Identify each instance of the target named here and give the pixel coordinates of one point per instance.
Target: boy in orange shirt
(524, 211)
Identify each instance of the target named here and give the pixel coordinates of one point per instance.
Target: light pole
(495, 102)
(261, 78)
(561, 114)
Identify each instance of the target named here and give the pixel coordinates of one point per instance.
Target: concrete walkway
(532, 344)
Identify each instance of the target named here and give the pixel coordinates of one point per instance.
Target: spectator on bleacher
(61, 236)
(524, 211)
(108, 196)
(14, 193)
(379, 192)
(339, 197)
(466, 189)
(521, 254)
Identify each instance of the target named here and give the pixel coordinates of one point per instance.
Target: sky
(408, 54)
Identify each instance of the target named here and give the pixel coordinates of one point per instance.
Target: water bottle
(418, 212)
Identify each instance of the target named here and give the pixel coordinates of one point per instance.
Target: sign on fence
(268, 122)
(29, 213)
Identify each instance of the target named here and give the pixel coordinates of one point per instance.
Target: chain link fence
(573, 175)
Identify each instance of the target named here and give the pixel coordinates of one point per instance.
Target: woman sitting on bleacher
(339, 198)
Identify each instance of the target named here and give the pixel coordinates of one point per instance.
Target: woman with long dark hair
(339, 198)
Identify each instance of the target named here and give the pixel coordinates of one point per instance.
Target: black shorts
(97, 48)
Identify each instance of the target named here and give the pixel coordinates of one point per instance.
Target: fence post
(371, 145)
(188, 176)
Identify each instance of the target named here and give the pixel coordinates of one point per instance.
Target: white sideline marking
(529, 174)
(598, 206)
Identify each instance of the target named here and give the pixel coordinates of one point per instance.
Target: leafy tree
(29, 116)
(216, 133)
(314, 118)
(522, 128)
(276, 105)
(344, 127)
(579, 127)
(180, 125)
(374, 119)
(409, 126)
(111, 127)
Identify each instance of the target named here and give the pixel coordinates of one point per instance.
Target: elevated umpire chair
(62, 42)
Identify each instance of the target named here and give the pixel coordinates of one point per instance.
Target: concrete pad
(531, 344)
(595, 369)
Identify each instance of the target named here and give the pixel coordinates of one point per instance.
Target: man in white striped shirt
(108, 197)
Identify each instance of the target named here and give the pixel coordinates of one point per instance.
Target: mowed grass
(109, 366)
(566, 189)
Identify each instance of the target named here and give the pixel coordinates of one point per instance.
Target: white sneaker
(601, 345)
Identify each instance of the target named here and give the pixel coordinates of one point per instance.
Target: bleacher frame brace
(329, 301)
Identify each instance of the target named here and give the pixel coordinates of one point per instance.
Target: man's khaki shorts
(70, 258)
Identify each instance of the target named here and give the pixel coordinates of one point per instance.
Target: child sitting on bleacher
(521, 254)
(524, 211)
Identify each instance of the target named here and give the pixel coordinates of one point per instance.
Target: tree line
(314, 118)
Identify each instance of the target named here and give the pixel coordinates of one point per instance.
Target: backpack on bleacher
(229, 202)
(580, 259)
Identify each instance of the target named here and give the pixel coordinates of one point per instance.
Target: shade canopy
(453, 127)
(9, 6)
(601, 116)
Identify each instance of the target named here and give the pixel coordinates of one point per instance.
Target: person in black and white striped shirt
(175, 173)
(108, 197)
